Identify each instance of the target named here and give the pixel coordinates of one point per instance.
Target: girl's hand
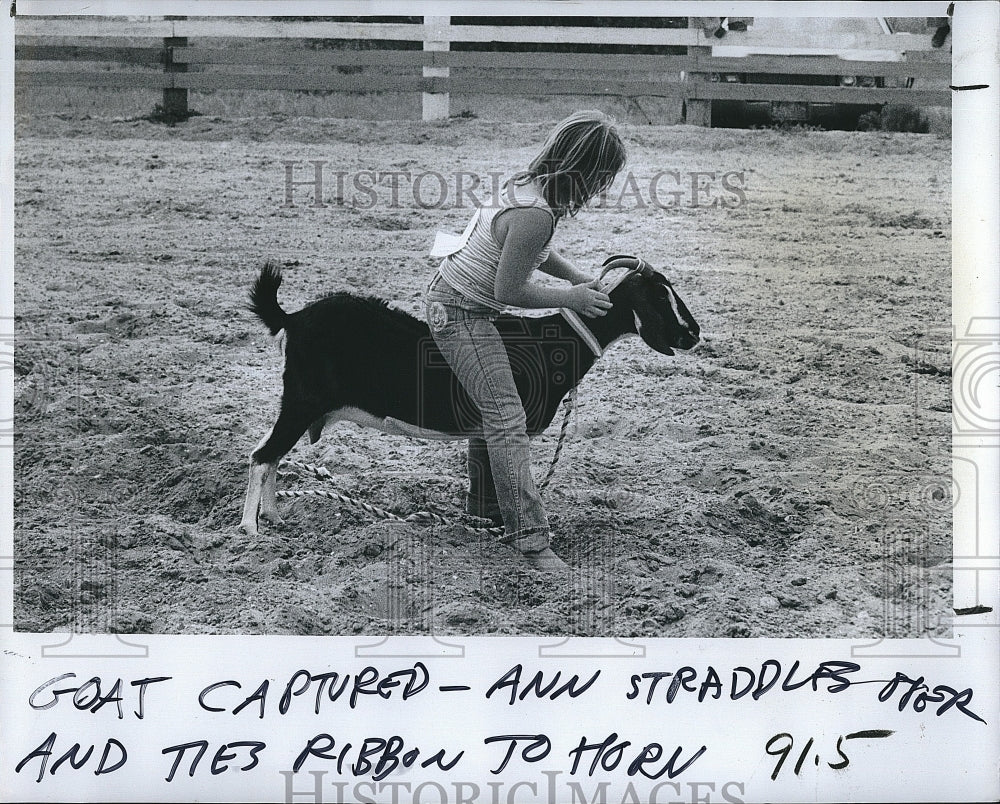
(588, 301)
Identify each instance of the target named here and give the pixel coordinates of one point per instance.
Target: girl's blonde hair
(579, 160)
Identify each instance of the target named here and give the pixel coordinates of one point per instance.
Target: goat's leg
(316, 429)
(269, 499)
(255, 489)
(291, 424)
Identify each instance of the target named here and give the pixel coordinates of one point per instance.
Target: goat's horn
(615, 259)
(620, 261)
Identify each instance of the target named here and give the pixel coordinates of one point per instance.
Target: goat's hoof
(249, 528)
(273, 517)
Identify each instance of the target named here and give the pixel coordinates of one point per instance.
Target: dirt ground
(788, 477)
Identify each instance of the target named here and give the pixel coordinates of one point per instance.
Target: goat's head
(661, 318)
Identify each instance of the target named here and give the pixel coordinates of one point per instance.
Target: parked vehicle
(825, 61)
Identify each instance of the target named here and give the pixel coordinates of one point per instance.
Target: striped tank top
(472, 270)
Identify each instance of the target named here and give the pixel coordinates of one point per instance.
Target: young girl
(493, 269)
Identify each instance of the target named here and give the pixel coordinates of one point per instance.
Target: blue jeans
(469, 342)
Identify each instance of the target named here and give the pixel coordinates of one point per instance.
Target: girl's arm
(558, 266)
(524, 233)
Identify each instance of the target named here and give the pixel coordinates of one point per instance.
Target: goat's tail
(264, 298)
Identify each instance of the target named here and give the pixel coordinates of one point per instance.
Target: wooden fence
(264, 61)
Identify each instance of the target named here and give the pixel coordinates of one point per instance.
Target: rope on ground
(568, 405)
(420, 517)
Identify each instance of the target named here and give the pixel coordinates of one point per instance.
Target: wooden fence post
(436, 104)
(175, 101)
(697, 112)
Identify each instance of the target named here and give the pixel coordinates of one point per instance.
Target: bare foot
(545, 561)
(272, 516)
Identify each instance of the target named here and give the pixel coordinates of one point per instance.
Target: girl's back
(472, 269)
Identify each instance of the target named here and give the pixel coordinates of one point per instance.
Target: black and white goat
(356, 359)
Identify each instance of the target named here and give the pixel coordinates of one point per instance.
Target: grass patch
(169, 117)
(900, 117)
(883, 218)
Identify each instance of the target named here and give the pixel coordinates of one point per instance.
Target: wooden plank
(254, 28)
(117, 80)
(390, 83)
(499, 8)
(805, 40)
(127, 55)
(436, 105)
(282, 56)
(697, 112)
(602, 36)
(261, 28)
(859, 95)
(290, 81)
(279, 55)
(822, 65)
(84, 41)
(616, 62)
(175, 99)
(81, 41)
(92, 26)
(595, 86)
(257, 28)
(333, 82)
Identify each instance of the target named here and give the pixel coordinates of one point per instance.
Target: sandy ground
(788, 477)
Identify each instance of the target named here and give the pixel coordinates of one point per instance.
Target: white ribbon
(582, 330)
(446, 243)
